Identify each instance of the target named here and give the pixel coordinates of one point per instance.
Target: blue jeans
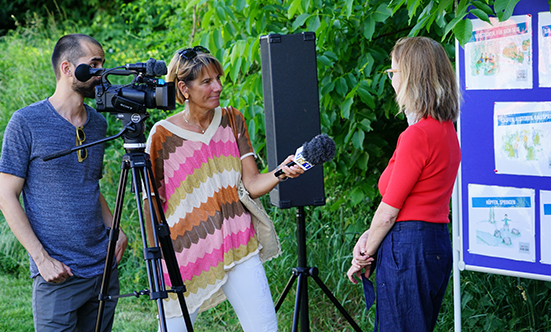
(414, 263)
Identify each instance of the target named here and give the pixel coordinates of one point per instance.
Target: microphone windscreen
(82, 72)
(160, 68)
(150, 67)
(319, 149)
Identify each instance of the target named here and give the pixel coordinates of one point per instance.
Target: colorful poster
(522, 138)
(545, 226)
(544, 49)
(502, 222)
(499, 56)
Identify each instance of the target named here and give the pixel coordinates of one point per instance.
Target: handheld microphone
(84, 72)
(318, 150)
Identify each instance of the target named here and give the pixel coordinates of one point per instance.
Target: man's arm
(122, 241)
(50, 269)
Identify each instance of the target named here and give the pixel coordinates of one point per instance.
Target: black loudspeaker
(291, 104)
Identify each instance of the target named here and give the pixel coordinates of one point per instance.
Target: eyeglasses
(190, 53)
(81, 137)
(390, 72)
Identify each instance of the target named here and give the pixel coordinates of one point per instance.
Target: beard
(86, 89)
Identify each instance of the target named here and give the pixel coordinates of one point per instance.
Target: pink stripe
(189, 148)
(208, 244)
(183, 167)
(210, 260)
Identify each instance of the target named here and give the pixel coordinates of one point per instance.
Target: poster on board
(522, 138)
(545, 226)
(502, 222)
(544, 49)
(499, 56)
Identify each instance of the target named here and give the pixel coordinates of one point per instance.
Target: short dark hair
(69, 47)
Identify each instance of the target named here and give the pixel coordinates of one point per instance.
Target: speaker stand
(302, 272)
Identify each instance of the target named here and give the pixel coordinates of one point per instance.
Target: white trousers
(249, 294)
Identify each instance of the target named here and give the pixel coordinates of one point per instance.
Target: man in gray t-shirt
(65, 220)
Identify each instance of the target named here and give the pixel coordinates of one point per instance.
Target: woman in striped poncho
(198, 158)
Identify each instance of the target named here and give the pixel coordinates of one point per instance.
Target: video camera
(145, 90)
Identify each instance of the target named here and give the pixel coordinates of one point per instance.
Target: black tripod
(302, 272)
(142, 175)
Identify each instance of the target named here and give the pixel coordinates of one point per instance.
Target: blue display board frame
(476, 133)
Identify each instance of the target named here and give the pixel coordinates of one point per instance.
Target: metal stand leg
(302, 272)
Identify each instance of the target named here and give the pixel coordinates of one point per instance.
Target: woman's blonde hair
(429, 86)
(186, 70)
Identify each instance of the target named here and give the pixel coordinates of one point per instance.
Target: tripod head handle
(57, 154)
(129, 126)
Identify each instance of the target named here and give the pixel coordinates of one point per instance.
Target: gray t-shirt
(60, 196)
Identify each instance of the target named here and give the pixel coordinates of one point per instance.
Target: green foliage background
(357, 109)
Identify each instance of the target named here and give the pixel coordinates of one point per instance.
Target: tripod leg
(167, 247)
(113, 237)
(152, 254)
(286, 290)
(298, 303)
(314, 274)
(304, 311)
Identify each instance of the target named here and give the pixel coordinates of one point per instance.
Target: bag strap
(231, 120)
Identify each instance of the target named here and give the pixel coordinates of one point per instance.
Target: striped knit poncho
(197, 177)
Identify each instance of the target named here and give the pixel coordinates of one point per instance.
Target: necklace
(193, 124)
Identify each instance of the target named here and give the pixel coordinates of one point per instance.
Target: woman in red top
(408, 236)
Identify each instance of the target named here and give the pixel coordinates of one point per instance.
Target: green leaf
(342, 87)
(481, 15)
(358, 139)
(504, 8)
(349, 7)
(327, 88)
(299, 21)
(356, 196)
(217, 37)
(221, 13)
(422, 20)
(368, 27)
(293, 8)
(240, 4)
(234, 73)
(345, 111)
(325, 60)
(335, 206)
(484, 7)
(365, 96)
(192, 3)
(363, 161)
(412, 7)
(463, 31)
(365, 125)
(382, 13)
(453, 23)
(314, 23)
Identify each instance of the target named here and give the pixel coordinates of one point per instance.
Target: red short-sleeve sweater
(420, 175)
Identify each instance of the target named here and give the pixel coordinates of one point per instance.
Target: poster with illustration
(522, 138)
(499, 55)
(544, 49)
(502, 222)
(545, 226)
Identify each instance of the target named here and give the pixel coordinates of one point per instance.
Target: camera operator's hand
(51, 269)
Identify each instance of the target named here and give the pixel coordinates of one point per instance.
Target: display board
(504, 182)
